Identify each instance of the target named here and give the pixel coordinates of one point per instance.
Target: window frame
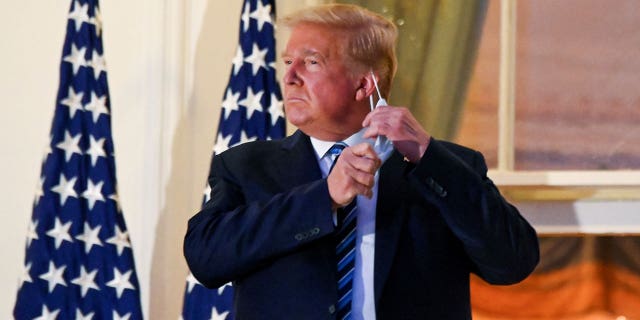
(543, 184)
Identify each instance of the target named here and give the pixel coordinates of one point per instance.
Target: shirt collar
(321, 147)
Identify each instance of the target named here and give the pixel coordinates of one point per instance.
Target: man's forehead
(305, 52)
(311, 39)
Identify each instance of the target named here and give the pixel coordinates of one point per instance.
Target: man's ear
(366, 87)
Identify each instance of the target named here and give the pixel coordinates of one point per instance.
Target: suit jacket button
(332, 309)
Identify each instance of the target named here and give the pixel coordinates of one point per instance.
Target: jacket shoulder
(467, 154)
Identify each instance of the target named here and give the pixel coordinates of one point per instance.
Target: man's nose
(291, 76)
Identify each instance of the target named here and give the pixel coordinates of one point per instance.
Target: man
(422, 220)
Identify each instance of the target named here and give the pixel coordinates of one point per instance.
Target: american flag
(251, 110)
(78, 261)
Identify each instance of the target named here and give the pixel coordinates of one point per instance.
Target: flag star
(275, 109)
(96, 149)
(262, 14)
(97, 63)
(191, 282)
(97, 106)
(79, 14)
(224, 286)
(65, 188)
(257, 58)
(117, 316)
(80, 316)
(54, 276)
(238, 60)
(218, 316)
(116, 199)
(96, 20)
(245, 17)
(25, 276)
(60, 232)
(70, 145)
(244, 138)
(76, 58)
(85, 281)
(73, 101)
(93, 193)
(48, 315)
(120, 281)
(252, 102)
(230, 103)
(222, 143)
(32, 233)
(90, 237)
(120, 239)
(207, 193)
(39, 190)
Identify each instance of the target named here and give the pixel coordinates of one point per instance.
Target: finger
(359, 170)
(341, 187)
(352, 169)
(366, 164)
(374, 114)
(377, 129)
(364, 179)
(342, 192)
(363, 150)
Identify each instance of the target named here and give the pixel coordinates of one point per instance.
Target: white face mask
(382, 146)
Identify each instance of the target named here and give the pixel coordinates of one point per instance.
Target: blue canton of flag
(78, 261)
(251, 110)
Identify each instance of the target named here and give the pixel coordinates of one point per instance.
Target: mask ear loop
(371, 102)
(381, 100)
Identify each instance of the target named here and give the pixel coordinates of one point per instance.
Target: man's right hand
(353, 174)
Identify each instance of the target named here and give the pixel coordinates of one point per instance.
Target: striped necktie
(346, 253)
(345, 249)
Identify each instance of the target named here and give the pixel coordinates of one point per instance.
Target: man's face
(319, 87)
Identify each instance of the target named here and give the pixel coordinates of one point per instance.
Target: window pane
(578, 85)
(479, 123)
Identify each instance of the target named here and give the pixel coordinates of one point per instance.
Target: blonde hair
(371, 38)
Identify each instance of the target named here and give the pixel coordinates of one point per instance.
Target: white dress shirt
(363, 304)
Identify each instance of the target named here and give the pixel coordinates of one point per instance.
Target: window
(560, 78)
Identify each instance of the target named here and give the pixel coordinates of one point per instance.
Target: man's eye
(288, 62)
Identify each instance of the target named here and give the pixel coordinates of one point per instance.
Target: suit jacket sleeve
(249, 221)
(501, 244)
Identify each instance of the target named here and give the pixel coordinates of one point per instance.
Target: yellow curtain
(437, 46)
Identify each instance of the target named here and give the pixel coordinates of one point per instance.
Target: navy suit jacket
(268, 228)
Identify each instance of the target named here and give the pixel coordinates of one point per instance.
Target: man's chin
(300, 124)
(296, 115)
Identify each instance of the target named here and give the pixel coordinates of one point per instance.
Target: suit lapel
(390, 213)
(298, 163)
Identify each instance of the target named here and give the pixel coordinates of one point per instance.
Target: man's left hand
(400, 127)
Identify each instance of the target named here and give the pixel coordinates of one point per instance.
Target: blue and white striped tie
(346, 253)
(345, 248)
